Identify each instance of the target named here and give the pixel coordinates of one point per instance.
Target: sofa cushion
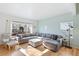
(43, 35)
(48, 35)
(51, 42)
(54, 37)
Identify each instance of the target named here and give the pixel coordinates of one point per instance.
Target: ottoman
(35, 42)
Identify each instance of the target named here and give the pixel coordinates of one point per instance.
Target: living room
(39, 29)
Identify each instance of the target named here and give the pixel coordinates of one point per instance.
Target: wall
(76, 31)
(4, 25)
(53, 24)
(76, 27)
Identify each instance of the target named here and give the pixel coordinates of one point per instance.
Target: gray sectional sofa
(50, 41)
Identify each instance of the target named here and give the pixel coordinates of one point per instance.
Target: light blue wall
(53, 24)
(76, 31)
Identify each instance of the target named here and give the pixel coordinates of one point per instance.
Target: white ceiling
(36, 11)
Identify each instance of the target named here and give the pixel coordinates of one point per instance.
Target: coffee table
(35, 42)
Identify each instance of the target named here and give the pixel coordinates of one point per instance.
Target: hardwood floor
(62, 52)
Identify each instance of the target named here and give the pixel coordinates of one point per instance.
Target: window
(27, 28)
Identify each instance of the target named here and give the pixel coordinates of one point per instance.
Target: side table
(64, 43)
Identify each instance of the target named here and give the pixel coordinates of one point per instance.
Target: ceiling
(36, 11)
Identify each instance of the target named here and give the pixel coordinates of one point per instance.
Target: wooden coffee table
(31, 51)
